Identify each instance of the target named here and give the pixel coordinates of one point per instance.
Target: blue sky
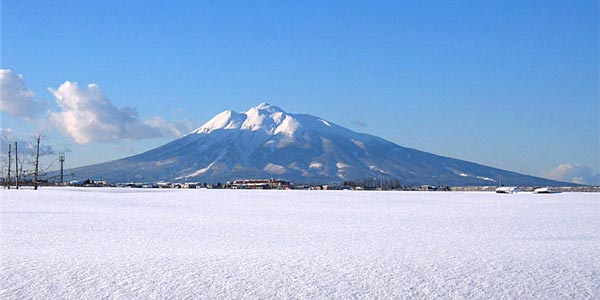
(511, 84)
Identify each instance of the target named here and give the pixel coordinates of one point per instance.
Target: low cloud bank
(575, 173)
(15, 98)
(88, 116)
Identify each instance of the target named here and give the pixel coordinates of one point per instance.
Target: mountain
(267, 142)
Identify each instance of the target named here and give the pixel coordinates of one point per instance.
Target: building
(260, 184)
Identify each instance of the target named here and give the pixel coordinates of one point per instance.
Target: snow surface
(315, 165)
(77, 243)
(275, 169)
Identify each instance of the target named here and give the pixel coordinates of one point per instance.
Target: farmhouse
(262, 184)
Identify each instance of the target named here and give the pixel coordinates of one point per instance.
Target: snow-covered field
(200, 244)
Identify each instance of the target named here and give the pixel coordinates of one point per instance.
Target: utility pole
(37, 163)
(17, 165)
(8, 185)
(61, 159)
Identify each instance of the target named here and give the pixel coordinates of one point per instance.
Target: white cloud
(575, 173)
(8, 136)
(87, 116)
(15, 98)
(25, 146)
(167, 128)
(359, 123)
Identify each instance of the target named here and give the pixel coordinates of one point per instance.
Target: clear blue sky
(511, 84)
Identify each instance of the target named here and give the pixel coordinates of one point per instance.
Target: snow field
(76, 243)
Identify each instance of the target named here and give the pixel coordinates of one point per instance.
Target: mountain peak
(264, 117)
(265, 107)
(225, 120)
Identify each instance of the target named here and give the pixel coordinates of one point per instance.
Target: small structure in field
(545, 190)
(507, 189)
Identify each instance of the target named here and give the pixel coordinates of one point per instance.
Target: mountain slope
(267, 142)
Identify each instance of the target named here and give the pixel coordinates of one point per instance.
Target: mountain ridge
(267, 142)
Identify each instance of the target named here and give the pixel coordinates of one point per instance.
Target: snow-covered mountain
(267, 142)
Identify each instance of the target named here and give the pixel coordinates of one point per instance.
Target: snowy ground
(201, 244)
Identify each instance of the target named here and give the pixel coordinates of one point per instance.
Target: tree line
(21, 167)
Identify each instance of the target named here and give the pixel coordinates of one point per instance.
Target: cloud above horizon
(359, 123)
(7, 137)
(15, 98)
(26, 146)
(88, 116)
(575, 173)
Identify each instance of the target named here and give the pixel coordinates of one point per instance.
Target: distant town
(280, 184)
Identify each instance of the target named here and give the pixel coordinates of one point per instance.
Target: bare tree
(17, 166)
(34, 160)
(29, 166)
(8, 175)
(37, 162)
